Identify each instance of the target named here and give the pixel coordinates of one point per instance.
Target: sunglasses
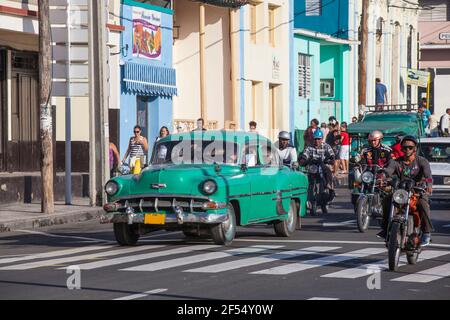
(408, 147)
(137, 132)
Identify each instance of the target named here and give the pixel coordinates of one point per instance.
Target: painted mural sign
(147, 34)
(417, 77)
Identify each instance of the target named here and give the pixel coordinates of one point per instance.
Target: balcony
(226, 3)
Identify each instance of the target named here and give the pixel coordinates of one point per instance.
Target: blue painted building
(148, 81)
(325, 57)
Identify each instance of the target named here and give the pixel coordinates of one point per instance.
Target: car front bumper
(440, 192)
(170, 218)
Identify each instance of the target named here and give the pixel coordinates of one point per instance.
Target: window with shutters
(304, 76)
(313, 7)
(434, 10)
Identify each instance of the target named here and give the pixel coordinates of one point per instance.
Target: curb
(51, 220)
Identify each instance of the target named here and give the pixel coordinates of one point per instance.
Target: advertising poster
(417, 77)
(147, 34)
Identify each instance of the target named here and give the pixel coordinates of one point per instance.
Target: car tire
(223, 233)
(125, 234)
(285, 228)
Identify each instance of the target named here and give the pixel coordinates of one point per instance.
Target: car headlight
(367, 177)
(209, 187)
(111, 188)
(446, 180)
(401, 197)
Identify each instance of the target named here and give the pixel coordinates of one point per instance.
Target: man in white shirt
(445, 123)
(287, 153)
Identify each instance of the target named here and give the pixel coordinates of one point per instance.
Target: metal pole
(68, 144)
(92, 44)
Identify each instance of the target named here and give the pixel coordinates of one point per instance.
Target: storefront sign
(444, 36)
(147, 34)
(417, 77)
(275, 68)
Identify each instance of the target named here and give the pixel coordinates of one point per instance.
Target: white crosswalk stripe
(59, 261)
(232, 265)
(199, 258)
(144, 256)
(53, 254)
(428, 275)
(320, 262)
(362, 270)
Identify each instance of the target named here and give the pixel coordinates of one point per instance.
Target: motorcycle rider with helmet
(417, 168)
(286, 152)
(317, 153)
(376, 153)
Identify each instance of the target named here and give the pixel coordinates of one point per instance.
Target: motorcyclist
(286, 152)
(319, 152)
(376, 153)
(418, 169)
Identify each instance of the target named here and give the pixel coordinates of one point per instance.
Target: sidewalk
(28, 216)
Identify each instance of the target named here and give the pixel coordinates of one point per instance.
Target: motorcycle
(404, 231)
(318, 195)
(368, 205)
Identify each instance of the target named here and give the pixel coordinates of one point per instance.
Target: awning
(149, 80)
(226, 3)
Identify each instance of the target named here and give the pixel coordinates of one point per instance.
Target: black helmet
(410, 138)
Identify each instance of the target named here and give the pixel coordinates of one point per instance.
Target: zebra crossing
(262, 259)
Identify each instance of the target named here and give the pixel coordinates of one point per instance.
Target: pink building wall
(429, 35)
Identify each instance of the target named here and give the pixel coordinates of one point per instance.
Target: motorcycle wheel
(411, 256)
(362, 215)
(394, 249)
(313, 209)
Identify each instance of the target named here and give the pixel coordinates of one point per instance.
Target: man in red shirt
(308, 136)
(397, 149)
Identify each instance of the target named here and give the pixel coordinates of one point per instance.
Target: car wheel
(224, 233)
(284, 228)
(126, 234)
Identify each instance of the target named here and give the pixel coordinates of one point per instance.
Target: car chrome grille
(155, 204)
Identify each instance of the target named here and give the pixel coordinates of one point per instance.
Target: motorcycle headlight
(209, 187)
(313, 169)
(400, 197)
(367, 177)
(111, 188)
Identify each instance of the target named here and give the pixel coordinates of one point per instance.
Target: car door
(263, 186)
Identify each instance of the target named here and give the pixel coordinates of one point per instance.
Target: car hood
(440, 169)
(178, 179)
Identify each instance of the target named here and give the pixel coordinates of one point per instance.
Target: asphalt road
(327, 259)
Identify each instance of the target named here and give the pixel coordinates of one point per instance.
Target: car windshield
(436, 152)
(195, 151)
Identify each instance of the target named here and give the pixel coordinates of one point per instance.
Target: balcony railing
(226, 3)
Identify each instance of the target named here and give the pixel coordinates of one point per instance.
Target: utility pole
(363, 54)
(98, 102)
(202, 62)
(47, 202)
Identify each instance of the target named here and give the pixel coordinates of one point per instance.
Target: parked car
(437, 152)
(207, 184)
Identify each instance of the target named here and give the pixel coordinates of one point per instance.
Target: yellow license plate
(155, 218)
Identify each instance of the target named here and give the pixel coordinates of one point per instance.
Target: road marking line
(54, 254)
(63, 236)
(320, 262)
(361, 271)
(232, 265)
(322, 298)
(140, 295)
(428, 275)
(339, 224)
(380, 243)
(122, 260)
(60, 261)
(199, 258)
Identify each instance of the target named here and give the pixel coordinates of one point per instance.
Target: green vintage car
(207, 184)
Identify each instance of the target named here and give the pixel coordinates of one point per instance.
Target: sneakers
(381, 234)
(425, 241)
